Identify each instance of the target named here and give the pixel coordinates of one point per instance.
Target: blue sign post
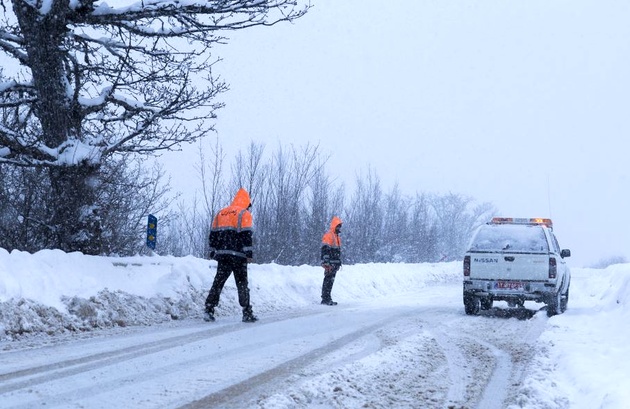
(151, 231)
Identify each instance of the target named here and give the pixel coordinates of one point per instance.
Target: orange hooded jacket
(232, 229)
(331, 245)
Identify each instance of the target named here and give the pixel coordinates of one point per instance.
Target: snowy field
(580, 358)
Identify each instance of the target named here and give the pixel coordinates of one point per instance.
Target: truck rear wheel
(472, 304)
(565, 301)
(486, 303)
(558, 303)
(554, 307)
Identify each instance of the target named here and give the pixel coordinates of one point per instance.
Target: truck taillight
(553, 268)
(467, 266)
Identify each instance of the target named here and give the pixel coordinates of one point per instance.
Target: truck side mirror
(565, 253)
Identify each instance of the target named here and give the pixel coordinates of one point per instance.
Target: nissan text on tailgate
(516, 260)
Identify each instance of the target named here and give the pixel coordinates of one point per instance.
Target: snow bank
(581, 358)
(54, 292)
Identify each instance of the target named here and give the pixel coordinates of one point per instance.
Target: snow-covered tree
(83, 81)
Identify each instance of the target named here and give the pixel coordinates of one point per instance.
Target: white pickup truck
(516, 260)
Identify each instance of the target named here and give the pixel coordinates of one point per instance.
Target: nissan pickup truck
(516, 260)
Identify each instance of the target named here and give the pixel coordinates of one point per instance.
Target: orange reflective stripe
(244, 220)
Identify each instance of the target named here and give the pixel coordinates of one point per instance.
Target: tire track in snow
(222, 398)
(457, 366)
(486, 354)
(25, 378)
(496, 389)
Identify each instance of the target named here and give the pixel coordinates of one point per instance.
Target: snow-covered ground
(577, 360)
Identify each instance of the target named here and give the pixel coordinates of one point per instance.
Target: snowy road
(413, 351)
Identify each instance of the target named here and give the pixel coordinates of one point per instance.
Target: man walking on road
(231, 246)
(331, 259)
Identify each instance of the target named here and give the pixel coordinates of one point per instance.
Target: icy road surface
(413, 351)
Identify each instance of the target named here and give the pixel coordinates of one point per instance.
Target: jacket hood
(336, 221)
(241, 199)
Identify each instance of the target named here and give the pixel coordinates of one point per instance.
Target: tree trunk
(43, 40)
(76, 222)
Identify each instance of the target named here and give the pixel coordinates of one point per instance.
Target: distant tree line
(294, 200)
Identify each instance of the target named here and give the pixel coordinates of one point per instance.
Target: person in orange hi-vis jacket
(231, 245)
(331, 258)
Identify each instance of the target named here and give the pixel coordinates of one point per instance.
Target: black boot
(248, 315)
(208, 315)
(328, 302)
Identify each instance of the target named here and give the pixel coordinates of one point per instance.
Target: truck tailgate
(507, 266)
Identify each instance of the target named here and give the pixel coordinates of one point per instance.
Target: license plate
(508, 285)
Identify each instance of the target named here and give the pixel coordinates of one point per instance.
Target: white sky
(577, 361)
(522, 104)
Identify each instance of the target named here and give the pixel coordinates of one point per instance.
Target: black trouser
(329, 280)
(226, 266)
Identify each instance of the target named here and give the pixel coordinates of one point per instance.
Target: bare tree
(457, 216)
(318, 211)
(423, 231)
(23, 210)
(128, 193)
(184, 234)
(95, 80)
(396, 245)
(211, 173)
(363, 238)
(280, 219)
(249, 172)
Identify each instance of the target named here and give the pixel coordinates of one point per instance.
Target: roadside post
(151, 232)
